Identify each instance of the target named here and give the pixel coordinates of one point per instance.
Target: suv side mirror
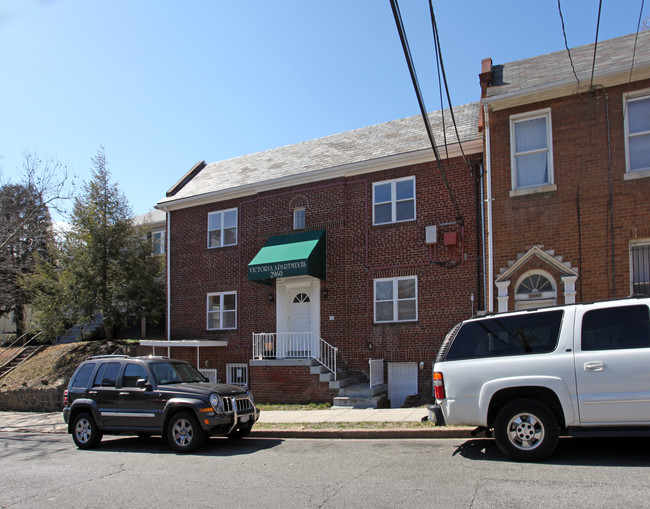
(143, 383)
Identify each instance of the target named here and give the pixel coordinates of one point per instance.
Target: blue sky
(164, 84)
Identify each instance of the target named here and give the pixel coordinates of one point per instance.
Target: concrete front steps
(352, 391)
(25, 353)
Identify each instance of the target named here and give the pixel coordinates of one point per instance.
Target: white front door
(402, 382)
(298, 316)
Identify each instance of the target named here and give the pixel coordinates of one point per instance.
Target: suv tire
(526, 430)
(184, 433)
(85, 432)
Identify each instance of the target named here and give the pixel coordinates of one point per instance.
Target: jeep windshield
(176, 373)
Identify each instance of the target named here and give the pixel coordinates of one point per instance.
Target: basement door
(402, 382)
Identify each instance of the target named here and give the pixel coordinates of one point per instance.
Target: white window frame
(394, 201)
(516, 189)
(231, 369)
(161, 243)
(627, 99)
(395, 300)
(222, 228)
(220, 311)
(299, 218)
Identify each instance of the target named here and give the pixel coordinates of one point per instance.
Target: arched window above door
(536, 289)
(301, 297)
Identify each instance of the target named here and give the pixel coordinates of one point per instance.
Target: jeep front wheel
(184, 432)
(526, 430)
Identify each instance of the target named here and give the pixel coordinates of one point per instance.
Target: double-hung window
(222, 311)
(396, 299)
(299, 218)
(393, 201)
(637, 129)
(531, 150)
(158, 242)
(222, 228)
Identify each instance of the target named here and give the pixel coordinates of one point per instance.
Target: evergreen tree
(104, 266)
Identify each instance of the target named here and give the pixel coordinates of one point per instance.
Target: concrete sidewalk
(372, 423)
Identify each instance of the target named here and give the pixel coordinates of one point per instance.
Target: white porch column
(502, 296)
(569, 289)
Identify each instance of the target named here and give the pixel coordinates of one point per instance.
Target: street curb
(365, 433)
(441, 432)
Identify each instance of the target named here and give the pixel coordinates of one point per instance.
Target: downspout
(481, 237)
(169, 288)
(488, 201)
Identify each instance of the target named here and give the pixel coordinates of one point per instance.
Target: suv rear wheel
(526, 430)
(184, 432)
(85, 432)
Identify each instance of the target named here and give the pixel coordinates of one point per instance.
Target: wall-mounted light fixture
(270, 296)
(324, 293)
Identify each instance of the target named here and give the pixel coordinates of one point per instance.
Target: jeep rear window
(507, 335)
(83, 376)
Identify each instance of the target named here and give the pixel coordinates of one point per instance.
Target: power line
(416, 85)
(566, 44)
(593, 64)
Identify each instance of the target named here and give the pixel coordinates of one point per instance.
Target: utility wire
(593, 64)
(566, 44)
(636, 39)
(416, 85)
(441, 67)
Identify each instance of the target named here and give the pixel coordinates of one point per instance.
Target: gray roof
(152, 218)
(611, 56)
(361, 145)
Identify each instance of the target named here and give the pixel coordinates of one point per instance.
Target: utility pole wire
(423, 110)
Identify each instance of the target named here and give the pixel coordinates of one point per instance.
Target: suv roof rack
(110, 356)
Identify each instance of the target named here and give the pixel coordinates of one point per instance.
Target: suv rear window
(507, 335)
(616, 328)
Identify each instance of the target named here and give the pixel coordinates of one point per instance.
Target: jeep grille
(242, 405)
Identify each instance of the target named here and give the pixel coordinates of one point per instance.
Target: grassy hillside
(55, 364)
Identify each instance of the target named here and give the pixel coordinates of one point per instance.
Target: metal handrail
(15, 341)
(294, 345)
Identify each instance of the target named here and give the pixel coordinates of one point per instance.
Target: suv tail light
(438, 385)
(65, 398)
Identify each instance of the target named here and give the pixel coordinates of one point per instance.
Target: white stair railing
(376, 372)
(294, 345)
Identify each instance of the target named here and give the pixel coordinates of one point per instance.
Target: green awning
(297, 254)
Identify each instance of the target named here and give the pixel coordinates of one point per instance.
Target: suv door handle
(124, 393)
(594, 366)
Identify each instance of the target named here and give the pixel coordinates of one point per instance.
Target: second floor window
(222, 228)
(638, 134)
(299, 218)
(158, 242)
(222, 310)
(393, 201)
(531, 150)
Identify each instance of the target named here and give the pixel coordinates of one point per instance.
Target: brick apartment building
(341, 249)
(351, 247)
(568, 175)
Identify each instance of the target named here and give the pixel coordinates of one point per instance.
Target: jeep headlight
(250, 395)
(216, 402)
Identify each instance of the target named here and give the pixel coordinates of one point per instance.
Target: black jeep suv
(118, 394)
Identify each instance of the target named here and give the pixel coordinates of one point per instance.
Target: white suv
(581, 369)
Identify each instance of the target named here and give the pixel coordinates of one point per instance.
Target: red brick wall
(357, 253)
(582, 175)
(288, 384)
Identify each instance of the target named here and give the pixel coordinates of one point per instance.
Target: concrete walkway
(306, 424)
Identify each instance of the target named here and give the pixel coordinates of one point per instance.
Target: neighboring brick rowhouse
(575, 220)
(357, 253)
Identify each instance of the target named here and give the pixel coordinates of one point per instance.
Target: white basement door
(402, 382)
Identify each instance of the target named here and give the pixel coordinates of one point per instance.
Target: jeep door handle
(594, 366)
(124, 393)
